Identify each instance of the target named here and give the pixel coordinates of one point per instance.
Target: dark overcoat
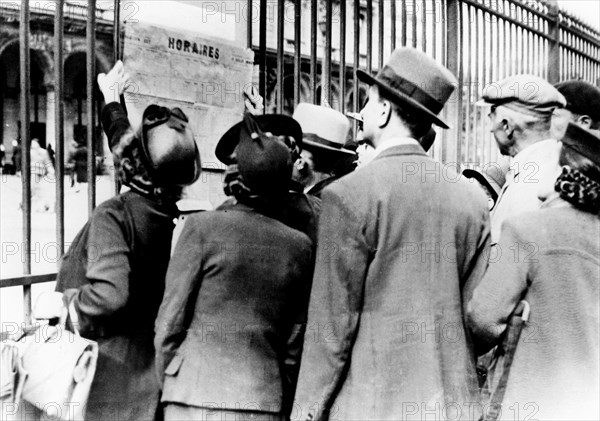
(117, 264)
(401, 244)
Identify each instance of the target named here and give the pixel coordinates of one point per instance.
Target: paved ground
(43, 228)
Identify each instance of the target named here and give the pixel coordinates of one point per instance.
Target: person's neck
(391, 133)
(528, 139)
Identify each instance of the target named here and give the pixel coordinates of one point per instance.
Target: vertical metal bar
(469, 80)
(393, 24)
(91, 115)
(297, 50)
(326, 78)
(262, 50)
(280, 62)
(414, 23)
(248, 24)
(59, 134)
(343, 56)
(434, 31)
(450, 150)
(381, 28)
(478, 81)
(554, 50)
(25, 75)
(356, 56)
(461, 81)
(117, 56)
(404, 23)
(313, 49)
(445, 25)
(424, 25)
(369, 36)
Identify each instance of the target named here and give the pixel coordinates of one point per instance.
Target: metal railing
(480, 41)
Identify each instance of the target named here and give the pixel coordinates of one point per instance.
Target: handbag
(496, 379)
(60, 367)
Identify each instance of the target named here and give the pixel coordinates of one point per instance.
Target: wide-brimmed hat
(583, 141)
(324, 129)
(169, 150)
(276, 124)
(412, 78)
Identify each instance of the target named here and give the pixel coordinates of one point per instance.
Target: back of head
(583, 99)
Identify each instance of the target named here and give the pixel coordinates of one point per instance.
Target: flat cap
(524, 93)
(582, 97)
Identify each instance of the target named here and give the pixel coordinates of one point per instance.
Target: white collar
(390, 143)
(540, 151)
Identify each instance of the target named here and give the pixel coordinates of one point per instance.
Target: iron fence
(317, 53)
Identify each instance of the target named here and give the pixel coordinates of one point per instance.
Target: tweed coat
(551, 258)
(402, 242)
(118, 263)
(236, 292)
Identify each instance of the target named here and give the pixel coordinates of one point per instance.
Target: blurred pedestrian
(42, 174)
(550, 259)
(236, 296)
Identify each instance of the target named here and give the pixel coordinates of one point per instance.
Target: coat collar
(406, 149)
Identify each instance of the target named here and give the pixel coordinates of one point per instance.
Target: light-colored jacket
(551, 258)
(528, 172)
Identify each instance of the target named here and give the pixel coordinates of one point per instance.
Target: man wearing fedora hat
(400, 248)
(325, 132)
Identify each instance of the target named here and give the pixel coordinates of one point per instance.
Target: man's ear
(385, 113)
(584, 121)
(508, 128)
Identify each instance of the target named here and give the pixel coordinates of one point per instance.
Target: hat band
(388, 76)
(318, 139)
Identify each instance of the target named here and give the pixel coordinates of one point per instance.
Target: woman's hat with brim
(276, 124)
(412, 78)
(325, 129)
(584, 142)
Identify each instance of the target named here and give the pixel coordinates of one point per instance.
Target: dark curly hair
(579, 182)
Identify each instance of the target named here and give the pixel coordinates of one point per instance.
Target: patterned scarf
(579, 190)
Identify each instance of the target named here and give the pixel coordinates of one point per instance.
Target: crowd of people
(319, 291)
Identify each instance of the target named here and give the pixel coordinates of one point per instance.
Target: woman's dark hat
(412, 78)
(276, 124)
(264, 160)
(169, 150)
(584, 142)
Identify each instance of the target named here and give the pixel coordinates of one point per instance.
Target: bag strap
(517, 321)
(69, 314)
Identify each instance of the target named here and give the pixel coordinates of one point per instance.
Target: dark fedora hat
(412, 78)
(583, 141)
(276, 124)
